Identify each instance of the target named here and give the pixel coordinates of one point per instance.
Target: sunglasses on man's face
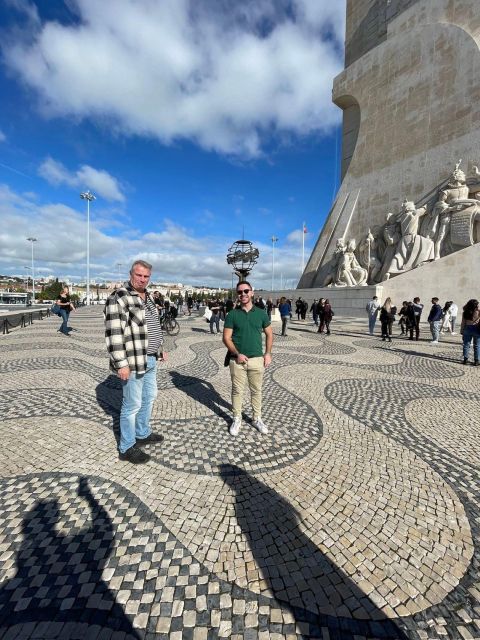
(242, 292)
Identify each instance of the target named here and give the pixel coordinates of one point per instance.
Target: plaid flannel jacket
(126, 330)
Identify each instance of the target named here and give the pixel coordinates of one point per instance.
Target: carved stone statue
(437, 223)
(412, 249)
(350, 273)
(331, 276)
(454, 219)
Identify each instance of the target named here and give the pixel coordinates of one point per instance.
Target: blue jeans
(435, 329)
(139, 393)
(215, 319)
(371, 323)
(64, 315)
(470, 332)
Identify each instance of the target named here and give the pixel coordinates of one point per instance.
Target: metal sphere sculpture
(242, 255)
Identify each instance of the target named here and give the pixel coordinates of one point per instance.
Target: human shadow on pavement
(203, 392)
(109, 399)
(59, 576)
(296, 571)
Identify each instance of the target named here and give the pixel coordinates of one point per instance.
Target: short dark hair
(375, 298)
(244, 282)
(417, 299)
(434, 299)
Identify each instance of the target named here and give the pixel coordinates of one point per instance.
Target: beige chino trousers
(251, 371)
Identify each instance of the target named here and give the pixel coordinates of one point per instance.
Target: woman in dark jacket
(321, 314)
(66, 306)
(327, 317)
(387, 318)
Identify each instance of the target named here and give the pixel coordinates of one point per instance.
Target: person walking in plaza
(387, 318)
(65, 307)
(417, 313)
(453, 316)
(285, 311)
(446, 325)
(270, 308)
(242, 335)
(321, 314)
(435, 320)
(470, 330)
(372, 308)
(403, 318)
(134, 343)
(314, 311)
(214, 307)
(327, 316)
(299, 308)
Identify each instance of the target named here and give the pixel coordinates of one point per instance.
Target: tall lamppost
(274, 240)
(32, 240)
(89, 197)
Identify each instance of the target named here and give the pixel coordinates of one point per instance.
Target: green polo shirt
(247, 330)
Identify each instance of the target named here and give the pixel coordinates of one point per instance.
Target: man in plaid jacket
(134, 340)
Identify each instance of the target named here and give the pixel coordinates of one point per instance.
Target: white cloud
(295, 237)
(3, 137)
(99, 181)
(224, 75)
(177, 254)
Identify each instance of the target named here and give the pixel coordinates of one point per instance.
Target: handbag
(55, 309)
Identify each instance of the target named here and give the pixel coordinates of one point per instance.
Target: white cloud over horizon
(225, 78)
(61, 247)
(86, 177)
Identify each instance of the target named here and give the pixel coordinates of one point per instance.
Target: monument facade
(409, 202)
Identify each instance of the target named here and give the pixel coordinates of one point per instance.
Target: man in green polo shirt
(242, 335)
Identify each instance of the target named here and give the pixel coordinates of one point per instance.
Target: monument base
(345, 301)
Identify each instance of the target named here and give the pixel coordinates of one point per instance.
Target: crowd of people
(441, 320)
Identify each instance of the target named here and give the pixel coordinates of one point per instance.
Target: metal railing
(22, 319)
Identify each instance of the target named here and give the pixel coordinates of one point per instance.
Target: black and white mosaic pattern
(89, 554)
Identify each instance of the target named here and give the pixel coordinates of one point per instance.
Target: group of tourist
(440, 319)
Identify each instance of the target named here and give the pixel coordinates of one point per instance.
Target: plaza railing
(22, 319)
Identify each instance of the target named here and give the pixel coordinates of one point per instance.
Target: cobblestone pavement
(357, 517)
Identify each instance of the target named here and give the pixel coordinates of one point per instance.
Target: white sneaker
(433, 341)
(260, 425)
(235, 426)
(454, 333)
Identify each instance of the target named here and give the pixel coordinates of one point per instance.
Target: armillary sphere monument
(242, 255)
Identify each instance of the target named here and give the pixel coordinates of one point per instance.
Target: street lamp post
(274, 240)
(89, 197)
(32, 240)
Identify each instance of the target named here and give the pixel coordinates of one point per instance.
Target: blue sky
(190, 121)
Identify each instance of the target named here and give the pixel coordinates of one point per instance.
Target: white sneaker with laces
(260, 425)
(235, 426)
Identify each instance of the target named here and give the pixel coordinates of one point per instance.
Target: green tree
(51, 291)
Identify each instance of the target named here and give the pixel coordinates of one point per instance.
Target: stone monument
(406, 219)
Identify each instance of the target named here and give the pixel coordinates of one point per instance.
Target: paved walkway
(356, 517)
